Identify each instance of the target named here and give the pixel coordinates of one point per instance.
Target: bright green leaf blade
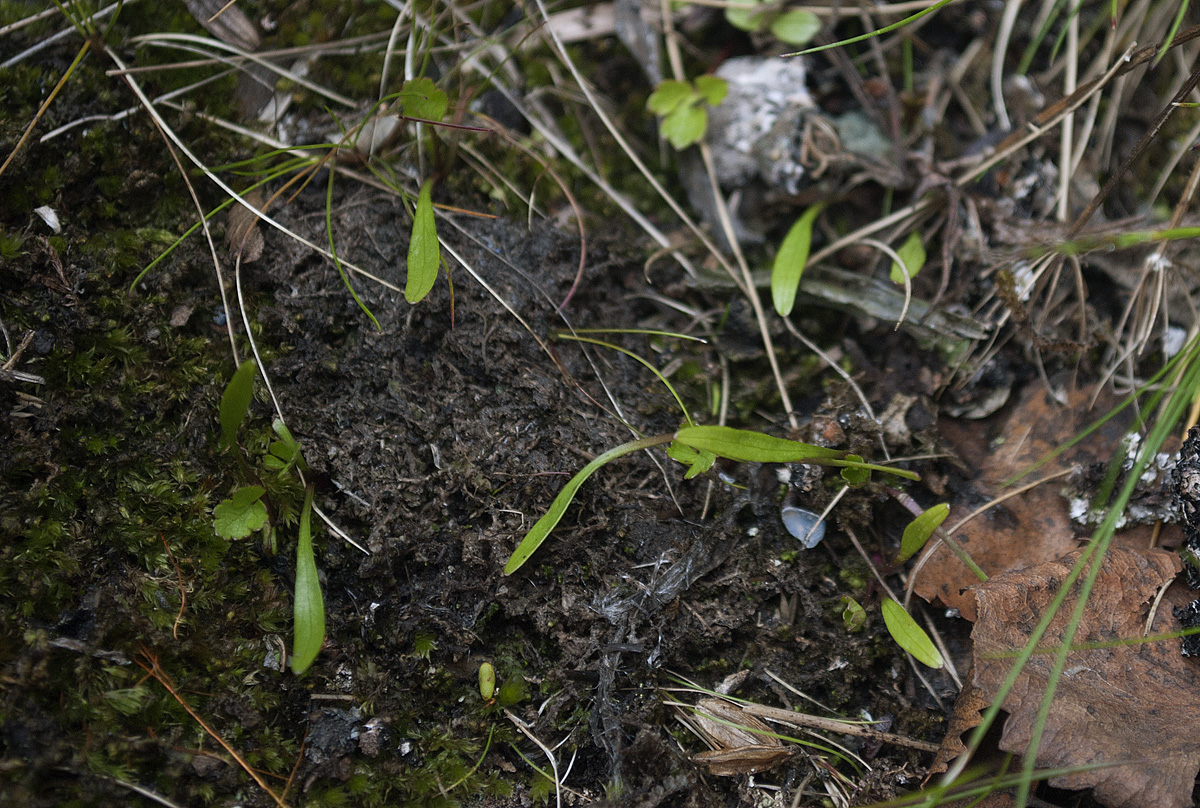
(912, 253)
(685, 125)
(789, 263)
(308, 624)
(909, 636)
(920, 529)
(745, 16)
(235, 401)
(421, 98)
(541, 529)
(241, 514)
(796, 27)
(749, 446)
(668, 96)
(424, 255)
(712, 89)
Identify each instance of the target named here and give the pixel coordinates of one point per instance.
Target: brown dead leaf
(741, 743)
(1130, 704)
(1034, 527)
(242, 234)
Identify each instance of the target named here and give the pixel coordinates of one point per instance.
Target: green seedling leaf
(285, 451)
(856, 475)
(789, 263)
(912, 253)
(424, 256)
(796, 27)
(909, 636)
(685, 125)
(421, 98)
(699, 462)
(235, 401)
(920, 529)
(854, 617)
(667, 97)
(308, 623)
(487, 681)
(712, 89)
(241, 514)
(541, 529)
(747, 16)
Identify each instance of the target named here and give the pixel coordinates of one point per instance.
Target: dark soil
(435, 440)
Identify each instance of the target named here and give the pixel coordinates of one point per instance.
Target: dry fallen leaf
(1130, 704)
(1033, 527)
(741, 743)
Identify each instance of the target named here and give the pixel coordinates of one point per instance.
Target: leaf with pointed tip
(424, 254)
(909, 636)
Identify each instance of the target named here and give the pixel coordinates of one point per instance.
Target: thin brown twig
(149, 663)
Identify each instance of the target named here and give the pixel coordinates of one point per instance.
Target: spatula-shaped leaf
(912, 253)
(308, 630)
(424, 256)
(755, 447)
(909, 636)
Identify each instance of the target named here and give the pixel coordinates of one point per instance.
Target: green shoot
(789, 263)
(698, 447)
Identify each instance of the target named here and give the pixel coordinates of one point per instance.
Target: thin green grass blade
(333, 250)
(645, 363)
(541, 529)
(878, 32)
(308, 624)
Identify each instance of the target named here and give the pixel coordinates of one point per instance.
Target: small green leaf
(421, 98)
(747, 16)
(855, 475)
(912, 253)
(235, 401)
(712, 89)
(241, 514)
(854, 617)
(920, 529)
(285, 451)
(909, 636)
(668, 96)
(796, 27)
(308, 612)
(487, 681)
(424, 255)
(789, 262)
(685, 125)
(698, 462)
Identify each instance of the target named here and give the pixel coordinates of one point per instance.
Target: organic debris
(1121, 708)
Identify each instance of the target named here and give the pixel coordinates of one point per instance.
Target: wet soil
(435, 441)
